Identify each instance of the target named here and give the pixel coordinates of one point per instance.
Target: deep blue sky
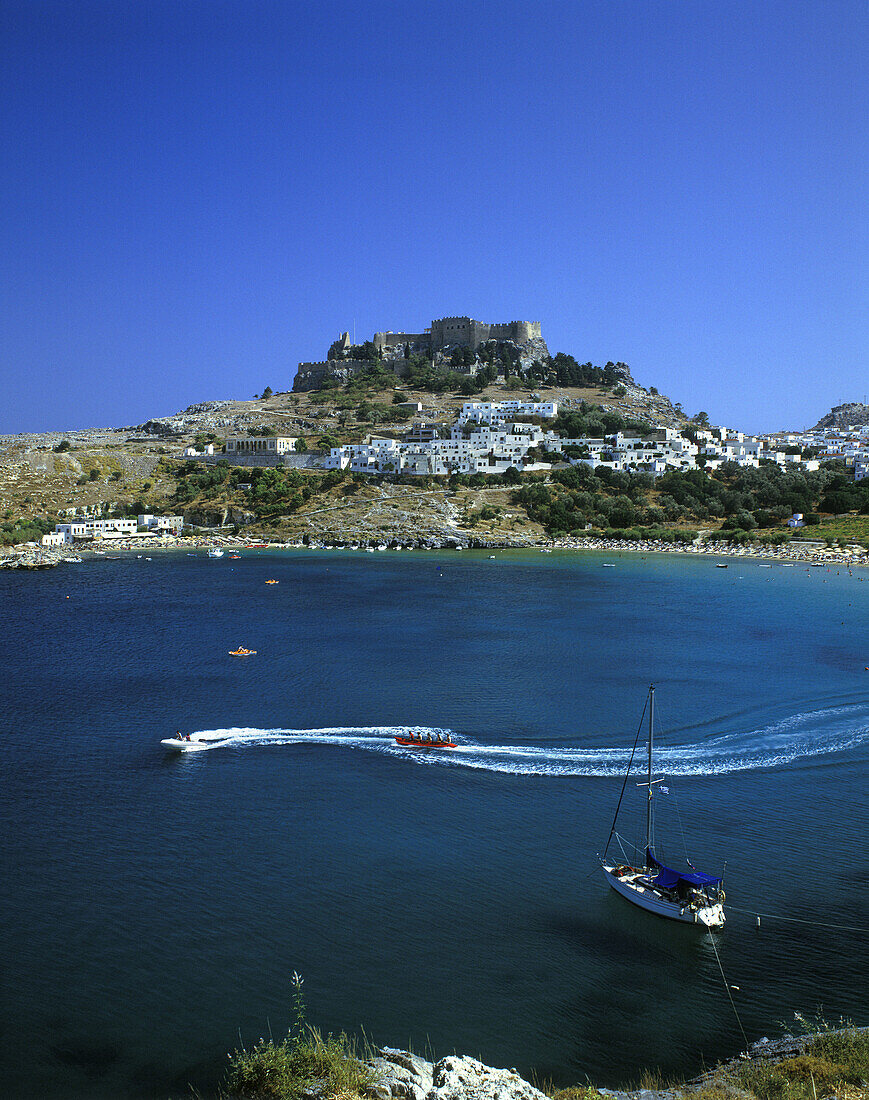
(197, 195)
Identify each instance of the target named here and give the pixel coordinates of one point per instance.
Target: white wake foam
(795, 737)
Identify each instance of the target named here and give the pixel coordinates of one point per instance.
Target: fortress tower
(462, 332)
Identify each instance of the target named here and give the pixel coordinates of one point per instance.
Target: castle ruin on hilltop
(450, 332)
(437, 343)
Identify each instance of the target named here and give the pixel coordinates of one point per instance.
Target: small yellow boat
(273, 582)
(242, 652)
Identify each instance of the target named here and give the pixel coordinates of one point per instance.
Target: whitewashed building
(261, 444)
(170, 525)
(494, 411)
(96, 529)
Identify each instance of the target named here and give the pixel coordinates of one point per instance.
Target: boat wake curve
(797, 737)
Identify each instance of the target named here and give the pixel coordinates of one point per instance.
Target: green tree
(301, 445)
(61, 447)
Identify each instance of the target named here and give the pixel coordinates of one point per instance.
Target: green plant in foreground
(280, 1071)
(832, 1060)
(576, 1092)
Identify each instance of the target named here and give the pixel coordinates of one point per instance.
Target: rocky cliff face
(532, 349)
(841, 416)
(311, 376)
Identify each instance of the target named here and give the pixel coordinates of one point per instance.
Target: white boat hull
(710, 916)
(195, 744)
(183, 746)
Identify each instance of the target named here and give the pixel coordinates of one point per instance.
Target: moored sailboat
(693, 897)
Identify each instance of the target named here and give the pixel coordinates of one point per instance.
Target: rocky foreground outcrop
(400, 1075)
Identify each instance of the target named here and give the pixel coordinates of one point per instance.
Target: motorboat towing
(418, 740)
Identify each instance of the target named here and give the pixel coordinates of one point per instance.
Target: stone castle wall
(392, 339)
(445, 332)
(464, 331)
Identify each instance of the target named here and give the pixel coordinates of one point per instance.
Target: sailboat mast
(649, 802)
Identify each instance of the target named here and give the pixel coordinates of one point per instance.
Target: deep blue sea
(155, 906)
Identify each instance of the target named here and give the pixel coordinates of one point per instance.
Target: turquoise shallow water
(155, 907)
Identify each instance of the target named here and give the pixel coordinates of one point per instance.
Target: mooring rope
(798, 920)
(727, 987)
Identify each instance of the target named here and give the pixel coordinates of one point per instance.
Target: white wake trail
(793, 738)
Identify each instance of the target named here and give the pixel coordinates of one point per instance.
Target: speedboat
(180, 744)
(214, 552)
(192, 743)
(425, 741)
(242, 652)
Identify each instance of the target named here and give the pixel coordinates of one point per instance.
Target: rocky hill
(85, 472)
(844, 416)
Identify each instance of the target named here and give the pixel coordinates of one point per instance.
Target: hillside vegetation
(134, 470)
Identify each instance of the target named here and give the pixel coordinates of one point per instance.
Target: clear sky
(198, 194)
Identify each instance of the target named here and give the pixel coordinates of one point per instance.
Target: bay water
(155, 905)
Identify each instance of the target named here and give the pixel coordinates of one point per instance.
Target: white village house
(115, 528)
(261, 444)
(485, 439)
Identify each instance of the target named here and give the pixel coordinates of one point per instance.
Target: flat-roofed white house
(493, 411)
(168, 524)
(95, 529)
(261, 444)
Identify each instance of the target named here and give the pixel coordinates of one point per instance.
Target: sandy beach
(33, 557)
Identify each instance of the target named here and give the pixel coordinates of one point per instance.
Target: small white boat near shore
(215, 552)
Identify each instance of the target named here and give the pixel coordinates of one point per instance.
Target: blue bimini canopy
(670, 879)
